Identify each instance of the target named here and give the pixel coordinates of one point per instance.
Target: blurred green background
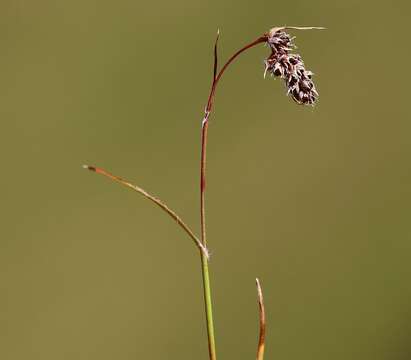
(316, 202)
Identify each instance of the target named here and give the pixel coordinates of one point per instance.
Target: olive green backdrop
(316, 202)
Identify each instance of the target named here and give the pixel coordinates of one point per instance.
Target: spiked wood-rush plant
(283, 63)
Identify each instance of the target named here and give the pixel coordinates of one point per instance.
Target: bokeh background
(315, 202)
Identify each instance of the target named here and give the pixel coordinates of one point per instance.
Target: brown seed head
(289, 67)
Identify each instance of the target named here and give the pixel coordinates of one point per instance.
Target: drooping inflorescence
(290, 67)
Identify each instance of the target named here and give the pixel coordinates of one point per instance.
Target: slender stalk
(171, 213)
(204, 261)
(261, 337)
(224, 68)
(203, 161)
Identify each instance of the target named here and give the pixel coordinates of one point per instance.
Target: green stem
(208, 308)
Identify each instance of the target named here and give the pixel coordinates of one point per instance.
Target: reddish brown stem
(261, 337)
(210, 102)
(155, 200)
(204, 130)
(223, 69)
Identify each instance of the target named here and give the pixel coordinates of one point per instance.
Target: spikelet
(290, 67)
